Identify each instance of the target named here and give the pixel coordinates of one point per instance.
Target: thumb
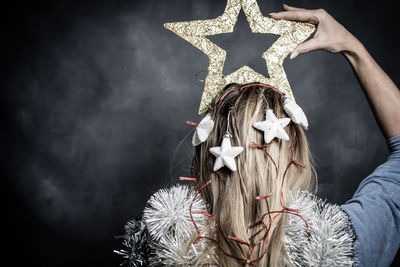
(305, 47)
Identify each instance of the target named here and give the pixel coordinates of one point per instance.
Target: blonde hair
(231, 196)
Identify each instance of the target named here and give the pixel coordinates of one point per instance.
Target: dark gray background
(95, 96)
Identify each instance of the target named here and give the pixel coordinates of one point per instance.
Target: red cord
(285, 210)
(265, 227)
(192, 123)
(246, 86)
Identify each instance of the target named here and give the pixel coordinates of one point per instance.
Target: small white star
(203, 130)
(295, 112)
(225, 154)
(272, 127)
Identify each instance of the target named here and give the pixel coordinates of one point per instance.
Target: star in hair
(203, 130)
(225, 154)
(272, 126)
(195, 32)
(295, 112)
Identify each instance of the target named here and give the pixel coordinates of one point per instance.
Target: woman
(257, 213)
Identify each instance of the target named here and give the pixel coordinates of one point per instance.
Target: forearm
(382, 94)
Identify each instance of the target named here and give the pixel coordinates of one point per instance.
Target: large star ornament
(225, 154)
(195, 32)
(272, 127)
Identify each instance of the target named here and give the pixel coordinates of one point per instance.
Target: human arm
(375, 207)
(382, 94)
(374, 211)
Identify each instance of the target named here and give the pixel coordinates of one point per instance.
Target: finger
(310, 45)
(287, 7)
(298, 15)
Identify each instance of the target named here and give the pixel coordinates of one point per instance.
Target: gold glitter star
(291, 34)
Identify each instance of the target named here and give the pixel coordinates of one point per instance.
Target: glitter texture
(291, 34)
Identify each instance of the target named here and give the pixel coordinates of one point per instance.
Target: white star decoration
(203, 130)
(272, 127)
(225, 154)
(295, 112)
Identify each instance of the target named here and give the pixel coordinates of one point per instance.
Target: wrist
(354, 49)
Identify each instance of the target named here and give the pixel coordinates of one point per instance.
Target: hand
(330, 34)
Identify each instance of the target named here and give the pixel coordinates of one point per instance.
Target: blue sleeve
(374, 211)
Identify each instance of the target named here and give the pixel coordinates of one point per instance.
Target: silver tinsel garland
(167, 218)
(332, 237)
(137, 242)
(159, 239)
(167, 213)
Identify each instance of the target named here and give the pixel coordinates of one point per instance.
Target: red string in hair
(192, 123)
(265, 226)
(208, 214)
(246, 86)
(285, 209)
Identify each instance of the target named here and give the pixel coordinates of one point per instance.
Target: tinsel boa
(332, 236)
(155, 241)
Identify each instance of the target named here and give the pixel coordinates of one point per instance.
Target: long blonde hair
(231, 196)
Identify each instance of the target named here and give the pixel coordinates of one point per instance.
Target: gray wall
(95, 97)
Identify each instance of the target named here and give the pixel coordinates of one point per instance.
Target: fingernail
(271, 14)
(294, 54)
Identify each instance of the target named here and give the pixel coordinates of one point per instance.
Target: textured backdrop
(95, 96)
